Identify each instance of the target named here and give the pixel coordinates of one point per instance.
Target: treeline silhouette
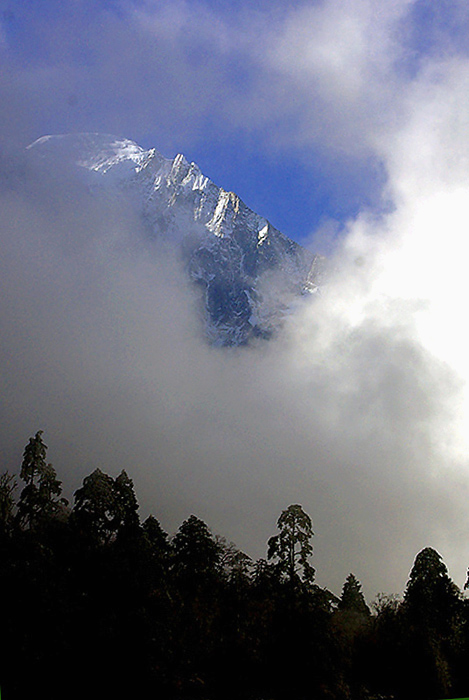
(96, 604)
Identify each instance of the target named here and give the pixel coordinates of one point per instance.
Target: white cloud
(360, 411)
(340, 50)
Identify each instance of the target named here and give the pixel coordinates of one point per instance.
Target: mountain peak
(93, 151)
(249, 273)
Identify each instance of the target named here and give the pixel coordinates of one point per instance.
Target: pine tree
(352, 599)
(125, 506)
(40, 498)
(195, 552)
(94, 509)
(432, 610)
(156, 537)
(431, 598)
(292, 546)
(8, 486)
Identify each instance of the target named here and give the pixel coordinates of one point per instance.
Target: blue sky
(282, 104)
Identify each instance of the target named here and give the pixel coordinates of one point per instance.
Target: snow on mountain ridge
(102, 153)
(247, 270)
(92, 151)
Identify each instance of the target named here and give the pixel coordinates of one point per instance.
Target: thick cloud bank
(357, 411)
(360, 410)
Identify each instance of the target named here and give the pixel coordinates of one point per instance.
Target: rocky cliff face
(248, 272)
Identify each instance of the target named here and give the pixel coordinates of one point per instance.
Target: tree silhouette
(352, 598)
(156, 537)
(8, 486)
(431, 597)
(125, 506)
(292, 547)
(432, 608)
(195, 551)
(94, 509)
(40, 498)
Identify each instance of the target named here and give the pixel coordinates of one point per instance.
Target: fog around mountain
(348, 411)
(358, 410)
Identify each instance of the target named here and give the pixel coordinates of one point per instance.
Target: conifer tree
(8, 486)
(125, 505)
(195, 551)
(292, 547)
(352, 598)
(40, 498)
(156, 537)
(94, 509)
(106, 508)
(432, 609)
(431, 597)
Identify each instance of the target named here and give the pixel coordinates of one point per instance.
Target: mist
(351, 411)
(359, 409)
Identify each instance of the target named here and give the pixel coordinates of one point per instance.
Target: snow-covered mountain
(248, 272)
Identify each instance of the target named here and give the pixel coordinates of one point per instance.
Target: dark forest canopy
(98, 604)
